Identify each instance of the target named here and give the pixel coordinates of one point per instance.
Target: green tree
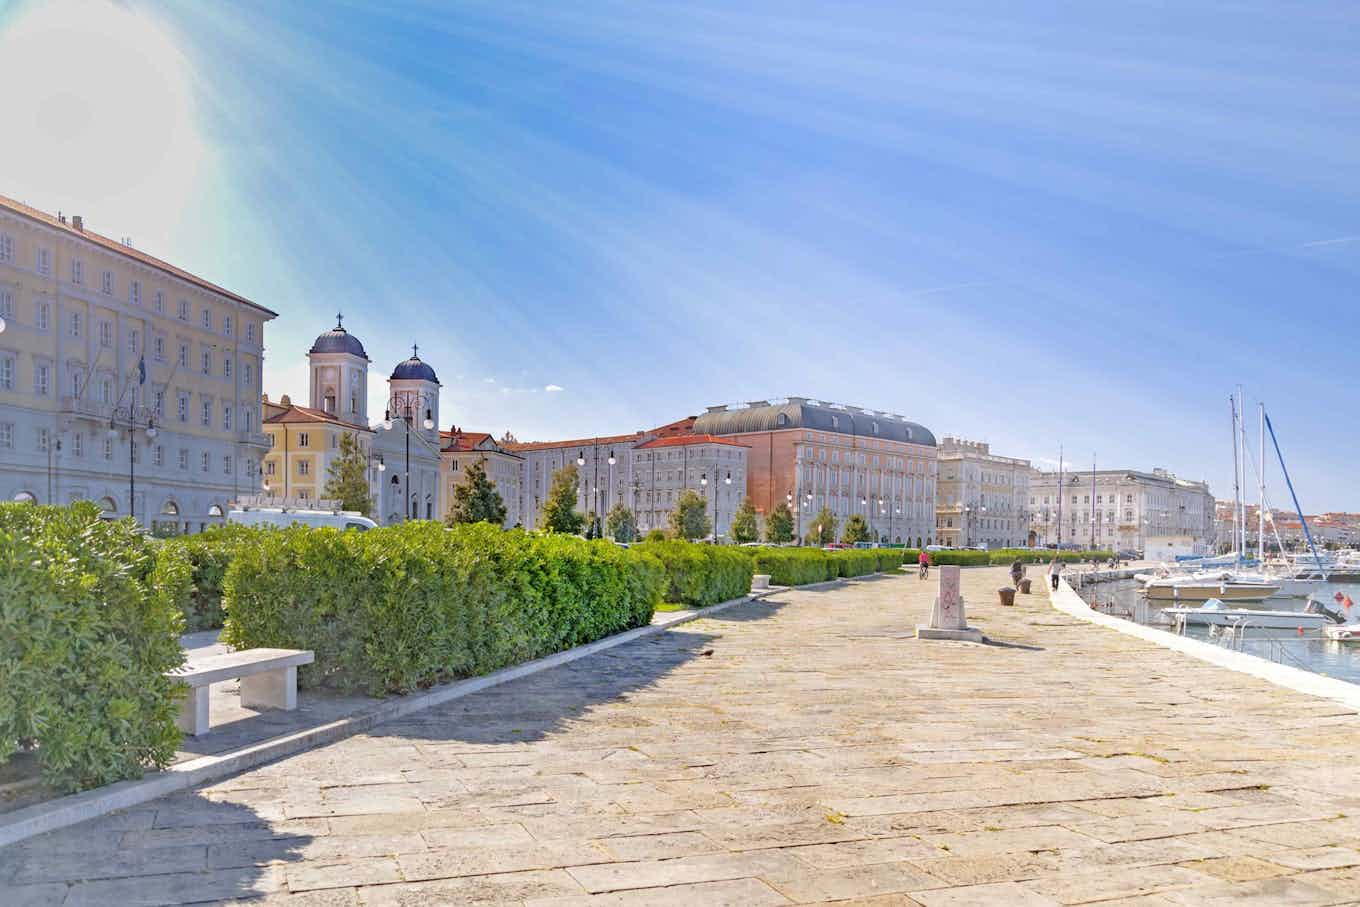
(559, 510)
(823, 528)
(744, 526)
(347, 477)
(689, 519)
(621, 523)
(475, 498)
(856, 530)
(779, 524)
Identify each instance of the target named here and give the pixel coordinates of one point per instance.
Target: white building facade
(123, 380)
(982, 499)
(1121, 509)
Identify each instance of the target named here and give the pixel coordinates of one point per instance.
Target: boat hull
(1230, 617)
(1202, 592)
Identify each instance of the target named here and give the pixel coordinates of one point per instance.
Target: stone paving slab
(818, 754)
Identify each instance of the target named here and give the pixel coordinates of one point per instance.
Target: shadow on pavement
(181, 849)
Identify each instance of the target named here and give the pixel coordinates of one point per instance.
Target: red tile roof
(683, 440)
(521, 447)
(292, 414)
(466, 441)
(43, 217)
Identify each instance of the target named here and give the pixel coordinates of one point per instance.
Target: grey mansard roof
(800, 412)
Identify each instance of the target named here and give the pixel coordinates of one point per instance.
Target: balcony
(84, 408)
(253, 438)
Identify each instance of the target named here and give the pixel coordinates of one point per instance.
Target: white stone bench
(760, 581)
(268, 680)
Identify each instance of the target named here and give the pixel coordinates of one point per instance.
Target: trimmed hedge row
(403, 607)
(801, 566)
(89, 623)
(701, 575)
(210, 552)
(1044, 556)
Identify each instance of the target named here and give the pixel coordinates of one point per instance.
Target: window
(159, 405)
(226, 325)
(269, 468)
(77, 271)
(44, 314)
(43, 262)
(304, 468)
(75, 383)
(303, 439)
(106, 283)
(226, 366)
(44, 440)
(226, 465)
(134, 341)
(226, 418)
(6, 304)
(207, 414)
(207, 319)
(78, 445)
(184, 458)
(207, 461)
(7, 434)
(108, 448)
(6, 247)
(159, 347)
(248, 374)
(75, 324)
(158, 456)
(135, 292)
(250, 331)
(182, 407)
(105, 334)
(106, 391)
(207, 362)
(160, 303)
(42, 375)
(184, 355)
(182, 310)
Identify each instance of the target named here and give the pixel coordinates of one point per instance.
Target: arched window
(26, 497)
(215, 510)
(108, 505)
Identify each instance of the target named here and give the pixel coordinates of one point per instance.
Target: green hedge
(1044, 556)
(801, 566)
(403, 607)
(89, 623)
(701, 575)
(210, 552)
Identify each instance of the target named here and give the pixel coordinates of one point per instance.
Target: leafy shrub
(794, 566)
(403, 607)
(1044, 556)
(701, 575)
(959, 556)
(89, 624)
(210, 552)
(856, 561)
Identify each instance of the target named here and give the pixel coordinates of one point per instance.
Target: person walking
(1053, 570)
(1017, 572)
(924, 562)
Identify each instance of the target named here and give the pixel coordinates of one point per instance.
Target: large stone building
(124, 380)
(812, 454)
(460, 449)
(645, 471)
(1125, 510)
(982, 499)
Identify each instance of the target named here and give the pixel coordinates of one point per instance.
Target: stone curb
(1067, 601)
(75, 808)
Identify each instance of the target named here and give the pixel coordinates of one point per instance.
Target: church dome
(338, 340)
(414, 369)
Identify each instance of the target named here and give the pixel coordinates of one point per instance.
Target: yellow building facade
(123, 379)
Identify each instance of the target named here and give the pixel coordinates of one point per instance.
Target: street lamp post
(132, 415)
(407, 403)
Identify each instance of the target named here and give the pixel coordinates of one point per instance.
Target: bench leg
(270, 690)
(193, 712)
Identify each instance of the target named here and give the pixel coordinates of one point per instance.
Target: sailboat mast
(1261, 514)
(1237, 473)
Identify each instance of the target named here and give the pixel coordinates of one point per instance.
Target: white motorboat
(1342, 632)
(1202, 587)
(1213, 613)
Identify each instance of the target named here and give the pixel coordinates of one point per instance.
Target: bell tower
(339, 375)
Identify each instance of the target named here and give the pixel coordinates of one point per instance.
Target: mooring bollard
(1007, 596)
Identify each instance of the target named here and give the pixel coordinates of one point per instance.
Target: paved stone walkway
(803, 749)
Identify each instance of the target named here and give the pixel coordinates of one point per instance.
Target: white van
(287, 516)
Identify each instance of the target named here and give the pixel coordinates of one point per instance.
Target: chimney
(78, 222)
(721, 408)
(285, 401)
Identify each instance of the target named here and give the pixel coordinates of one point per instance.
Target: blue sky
(1024, 223)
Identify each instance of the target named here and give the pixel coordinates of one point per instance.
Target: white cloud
(553, 388)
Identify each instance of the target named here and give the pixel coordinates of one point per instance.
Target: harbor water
(1309, 649)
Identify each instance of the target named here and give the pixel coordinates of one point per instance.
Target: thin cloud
(553, 388)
